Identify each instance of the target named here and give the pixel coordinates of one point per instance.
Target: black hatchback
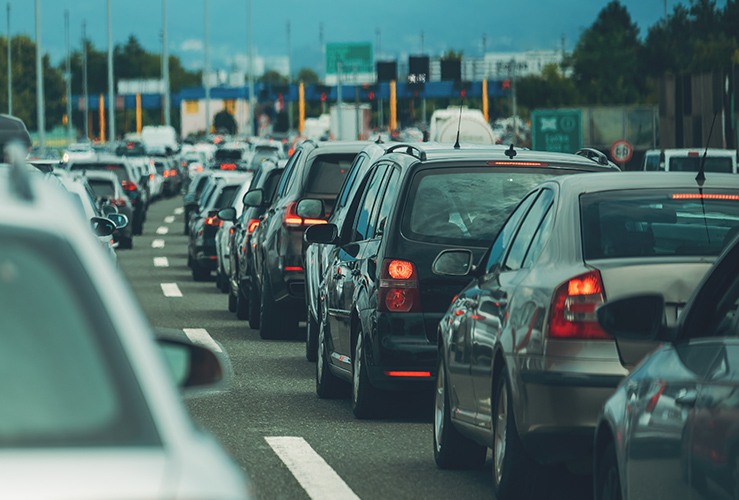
(380, 301)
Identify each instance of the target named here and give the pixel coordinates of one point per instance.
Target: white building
(500, 65)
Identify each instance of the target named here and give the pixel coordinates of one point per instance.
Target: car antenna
(459, 126)
(700, 177)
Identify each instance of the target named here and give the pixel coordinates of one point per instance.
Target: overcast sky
(511, 25)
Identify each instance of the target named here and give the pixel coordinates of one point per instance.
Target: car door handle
(687, 400)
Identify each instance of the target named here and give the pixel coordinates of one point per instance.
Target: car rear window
(658, 222)
(693, 163)
(228, 154)
(117, 168)
(226, 197)
(102, 188)
(465, 206)
(327, 173)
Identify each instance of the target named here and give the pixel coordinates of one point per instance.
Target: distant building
(501, 65)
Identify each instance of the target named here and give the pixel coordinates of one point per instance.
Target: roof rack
(410, 150)
(593, 154)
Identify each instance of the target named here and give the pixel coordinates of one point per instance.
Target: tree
(606, 61)
(308, 76)
(550, 90)
(272, 77)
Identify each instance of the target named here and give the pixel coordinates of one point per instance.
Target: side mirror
(108, 209)
(102, 226)
(254, 198)
(120, 220)
(310, 208)
(453, 262)
(228, 214)
(191, 365)
(633, 318)
(322, 233)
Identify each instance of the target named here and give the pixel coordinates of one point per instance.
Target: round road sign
(621, 151)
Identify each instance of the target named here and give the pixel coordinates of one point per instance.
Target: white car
(223, 247)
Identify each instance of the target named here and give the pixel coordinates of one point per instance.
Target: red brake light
(172, 172)
(165, 173)
(505, 163)
(294, 269)
(693, 153)
(697, 196)
(399, 290)
(572, 313)
(228, 166)
(151, 177)
(292, 219)
(408, 374)
(213, 221)
(129, 186)
(252, 226)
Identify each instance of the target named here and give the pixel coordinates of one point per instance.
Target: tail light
(151, 177)
(165, 174)
(129, 186)
(118, 202)
(183, 163)
(213, 221)
(173, 172)
(292, 219)
(572, 314)
(399, 290)
(252, 226)
(228, 166)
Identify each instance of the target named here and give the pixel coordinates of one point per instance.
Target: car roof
(612, 181)
(331, 147)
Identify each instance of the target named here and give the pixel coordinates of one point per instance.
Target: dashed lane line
(157, 244)
(162, 230)
(316, 477)
(161, 262)
(179, 210)
(202, 337)
(171, 290)
(169, 219)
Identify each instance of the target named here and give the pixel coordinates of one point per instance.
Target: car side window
(343, 196)
(540, 238)
(388, 200)
(362, 222)
(288, 173)
(506, 233)
(525, 235)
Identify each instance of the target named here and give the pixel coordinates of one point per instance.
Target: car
(204, 224)
(126, 175)
(316, 254)
(79, 151)
(671, 428)
(315, 170)
(243, 299)
(107, 190)
(224, 236)
(92, 394)
(231, 156)
(380, 302)
(690, 160)
(524, 367)
(192, 197)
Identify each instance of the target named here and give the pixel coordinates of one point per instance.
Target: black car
(380, 301)
(313, 171)
(192, 197)
(201, 247)
(316, 255)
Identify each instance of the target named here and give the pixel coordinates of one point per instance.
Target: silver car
(524, 365)
(89, 407)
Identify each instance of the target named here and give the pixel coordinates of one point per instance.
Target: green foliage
(308, 76)
(273, 77)
(550, 90)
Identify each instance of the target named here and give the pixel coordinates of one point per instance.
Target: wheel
(242, 305)
(137, 227)
(452, 450)
(328, 386)
(221, 281)
(232, 302)
(198, 273)
(271, 321)
(125, 242)
(607, 480)
(254, 304)
(512, 468)
(311, 336)
(189, 260)
(365, 398)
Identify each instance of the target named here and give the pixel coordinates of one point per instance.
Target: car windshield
(465, 205)
(327, 173)
(102, 188)
(658, 222)
(693, 163)
(65, 380)
(226, 196)
(117, 168)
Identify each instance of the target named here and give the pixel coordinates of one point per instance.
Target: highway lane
(273, 396)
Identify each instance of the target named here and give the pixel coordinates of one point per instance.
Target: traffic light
(323, 96)
(506, 85)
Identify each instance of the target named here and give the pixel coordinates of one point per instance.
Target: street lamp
(40, 113)
(111, 102)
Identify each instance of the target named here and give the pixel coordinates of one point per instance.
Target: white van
(689, 160)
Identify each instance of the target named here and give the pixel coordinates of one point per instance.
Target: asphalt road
(291, 444)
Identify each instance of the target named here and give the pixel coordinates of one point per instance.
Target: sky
(396, 28)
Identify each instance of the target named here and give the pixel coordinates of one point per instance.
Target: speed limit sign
(621, 151)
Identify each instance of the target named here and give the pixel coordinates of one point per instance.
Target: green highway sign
(354, 57)
(558, 130)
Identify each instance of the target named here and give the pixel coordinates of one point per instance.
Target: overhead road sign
(557, 130)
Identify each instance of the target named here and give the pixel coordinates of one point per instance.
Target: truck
(159, 138)
(352, 123)
(473, 129)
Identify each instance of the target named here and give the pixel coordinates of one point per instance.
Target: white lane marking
(161, 262)
(179, 210)
(171, 290)
(162, 230)
(316, 477)
(157, 244)
(169, 219)
(202, 337)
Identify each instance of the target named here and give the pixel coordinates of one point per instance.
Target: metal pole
(339, 103)
(40, 113)
(252, 101)
(356, 103)
(323, 49)
(165, 67)
(111, 98)
(206, 68)
(289, 80)
(84, 80)
(68, 79)
(10, 69)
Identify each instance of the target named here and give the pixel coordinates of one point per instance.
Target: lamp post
(206, 67)
(84, 80)
(165, 66)
(68, 79)
(40, 112)
(111, 102)
(10, 70)
(250, 48)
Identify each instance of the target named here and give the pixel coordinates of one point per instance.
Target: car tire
(221, 281)
(311, 336)
(607, 479)
(452, 450)
(271, 321)
(254, 304)
(189, 260)
(328, 385)
(512, 468)
(125, 242)
(198, 272)
(232, 302)
(366, 398)
(242, 305)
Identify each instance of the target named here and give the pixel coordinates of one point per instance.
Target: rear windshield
(226, 197)
(117, 168)
(693, 163)
(465, 206)
(658, 222)
(102, 188)
(228, 154)
(327, 173)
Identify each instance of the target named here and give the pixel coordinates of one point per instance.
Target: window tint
(388, 199)
(289, 169)
(101, 188)
(530, 224)
(226, 197)
(506, 233)
(540, 238)
(657, 222)
(342, 199)
(693, 163)
(117, 168)
(362, 227)
(327, 173)
(270, 184)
